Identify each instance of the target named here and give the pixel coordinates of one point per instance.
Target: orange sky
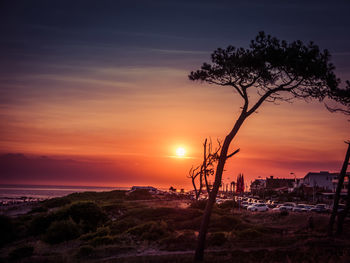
(142, 128)
(102, 91)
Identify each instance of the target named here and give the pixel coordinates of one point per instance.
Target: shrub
(165, 213)
(6, 230)
(101, 240)
(224, 223)
(283, 213)
(217, 239)
(21, 252)
(60, 231)
(121, 226)
(199, 204)
(88, 214)
(229, 204)
(39, 209)
(249, 233)
(190, 224)
(114, 208)
(85, 251)
(39, 224)
(183, 241)
(151, 231)
(56, 202)
(101, 231)
(96, 196)
(139, 194)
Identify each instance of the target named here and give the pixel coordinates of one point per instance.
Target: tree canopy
(271, 67)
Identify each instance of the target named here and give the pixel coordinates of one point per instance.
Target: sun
(180, 152)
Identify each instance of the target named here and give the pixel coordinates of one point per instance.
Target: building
(279, 183)
(149, 188)
(322, 180)
(257, 186)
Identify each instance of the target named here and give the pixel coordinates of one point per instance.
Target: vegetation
(273, 71)
(60, 231)
(93, 231)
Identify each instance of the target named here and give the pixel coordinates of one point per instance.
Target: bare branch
(232, 154)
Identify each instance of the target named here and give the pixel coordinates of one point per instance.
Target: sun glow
(180, 152)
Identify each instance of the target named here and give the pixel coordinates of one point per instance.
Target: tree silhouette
(273, 69)
(342, 97)
(207, 168)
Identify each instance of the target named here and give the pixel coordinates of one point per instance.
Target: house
(149, 188)
(279, 183)
(323, 180)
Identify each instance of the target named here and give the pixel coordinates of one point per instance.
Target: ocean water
(21, 193)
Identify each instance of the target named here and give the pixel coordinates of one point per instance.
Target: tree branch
(232, 154)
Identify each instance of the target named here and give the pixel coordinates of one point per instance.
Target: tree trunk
(337, 193)
(199, 253)
(342, 216)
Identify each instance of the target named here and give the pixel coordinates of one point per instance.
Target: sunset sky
(97, 92)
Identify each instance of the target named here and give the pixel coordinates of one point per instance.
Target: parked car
(247, 204)
(242, 204)
(258, 208)
(280, 208)
(309, 207)
(300, 208)
(319, 208)
(219, 201)
(289, 206)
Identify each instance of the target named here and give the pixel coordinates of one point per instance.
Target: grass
(114, 225)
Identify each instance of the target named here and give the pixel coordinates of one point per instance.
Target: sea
(10, 194)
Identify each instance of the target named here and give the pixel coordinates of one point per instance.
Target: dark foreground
(140, 227)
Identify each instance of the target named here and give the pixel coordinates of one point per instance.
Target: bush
(249, 233)
(40, 223)
(224, 223)
(39, 209)
(199, 204)
(88, 214)
(60, 231)
(284, 213)
(229, 204)
(56, 202)
(184, 241)
(121, 226)
(101, 240)
(101, 231)
(85, 251)
(21, 252)
(217, 239)
(139, 194)
(6, 230)
(166, 213)
(115, 208)
(151, 231)
(96, 196)
(190, 224)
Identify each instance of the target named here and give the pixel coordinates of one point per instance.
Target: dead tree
(207, 168)
(277, 71)
(193, 174)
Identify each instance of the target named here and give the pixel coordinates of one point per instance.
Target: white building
(149, 188)
(323, 179)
